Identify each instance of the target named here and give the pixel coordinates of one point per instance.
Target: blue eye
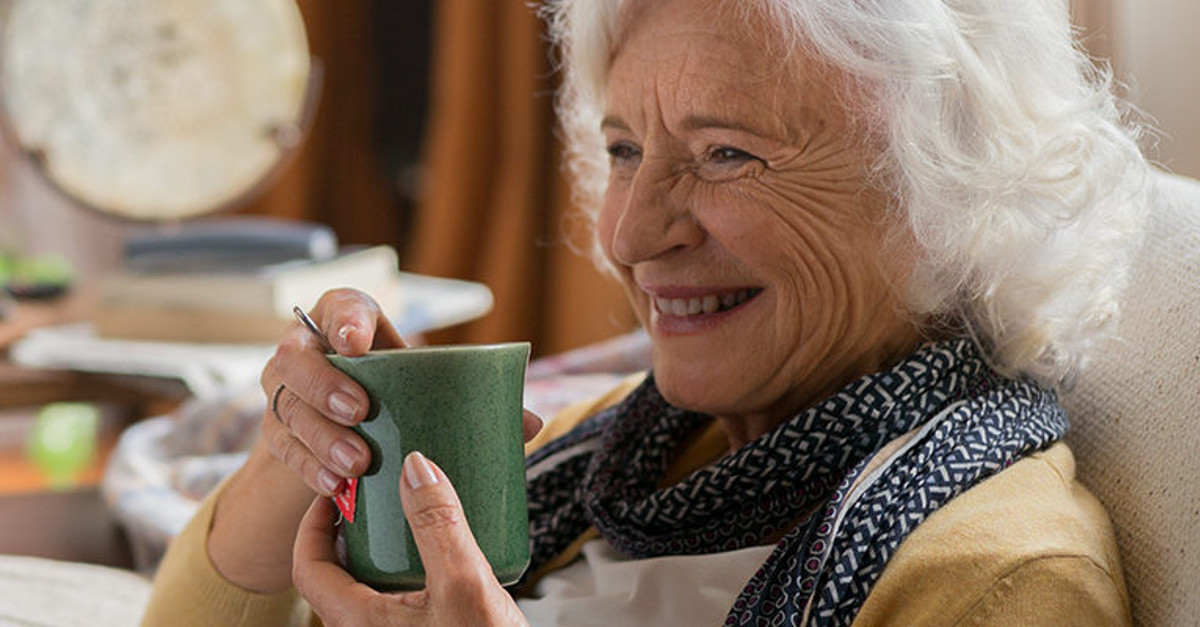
(623, 152)
(730, 156)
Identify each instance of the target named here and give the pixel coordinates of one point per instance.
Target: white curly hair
(1013, 164)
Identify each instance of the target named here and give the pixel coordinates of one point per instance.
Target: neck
(743, 430)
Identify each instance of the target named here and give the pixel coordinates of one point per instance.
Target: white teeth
(701, 305)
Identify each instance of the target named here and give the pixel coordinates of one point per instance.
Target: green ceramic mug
(460, 406)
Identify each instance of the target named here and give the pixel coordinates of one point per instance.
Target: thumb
(448, 550)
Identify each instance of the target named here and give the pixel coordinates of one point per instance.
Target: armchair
(1135, 414)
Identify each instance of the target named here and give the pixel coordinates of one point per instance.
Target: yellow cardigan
(1029, 546)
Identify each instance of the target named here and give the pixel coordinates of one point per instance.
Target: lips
(704, 303)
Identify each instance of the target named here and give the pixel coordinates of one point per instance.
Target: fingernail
(418, 471)
(343, 406)
(344, 333)
(329, 481)
(344, 454)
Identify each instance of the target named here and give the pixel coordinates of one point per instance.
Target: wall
(1157, 44)
(37, 220)
(1155, 50)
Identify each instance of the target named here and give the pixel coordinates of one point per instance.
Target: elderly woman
(868, 241)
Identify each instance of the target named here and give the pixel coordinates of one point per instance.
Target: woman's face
(739, 217)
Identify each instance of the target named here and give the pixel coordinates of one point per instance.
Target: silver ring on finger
(275, 401)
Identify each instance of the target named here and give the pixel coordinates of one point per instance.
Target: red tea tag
(345, 499)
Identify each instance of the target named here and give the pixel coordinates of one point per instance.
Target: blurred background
(1155, 54)
(433, 135)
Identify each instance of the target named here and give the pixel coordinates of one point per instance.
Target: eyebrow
(690, 123)
(698, 122)
(612, 121)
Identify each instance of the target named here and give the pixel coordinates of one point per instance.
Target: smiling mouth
(704, 305)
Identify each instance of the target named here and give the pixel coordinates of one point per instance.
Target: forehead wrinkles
(743, 25)
(634, 13)
(702, 67)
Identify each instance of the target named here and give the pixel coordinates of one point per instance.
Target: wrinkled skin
(733, 173)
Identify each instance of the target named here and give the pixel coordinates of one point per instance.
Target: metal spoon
(340, 544)
(312, 326)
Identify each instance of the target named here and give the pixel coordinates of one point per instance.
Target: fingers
(452, 559)
(305, 425)
(333, 594)
(531, 424)
(460, 588)
(354, 322)
(351, 320)
(313, 381)
(314, 554)
(322, 453)
(459, 582)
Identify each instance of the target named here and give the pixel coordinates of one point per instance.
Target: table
(71, 524)
(429, 303)
(123, 399)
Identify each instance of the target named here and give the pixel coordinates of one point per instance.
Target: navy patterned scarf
(806, 480)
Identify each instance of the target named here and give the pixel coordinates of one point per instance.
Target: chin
(694, 391)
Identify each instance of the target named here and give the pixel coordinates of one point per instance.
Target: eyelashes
(623, 152)
(728, 155)
(721, 157)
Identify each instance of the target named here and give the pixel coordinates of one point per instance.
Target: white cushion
(1135, 414)
(50, 593)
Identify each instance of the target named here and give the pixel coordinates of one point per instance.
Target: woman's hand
(307, 443)
(460, 587)
(312, 404)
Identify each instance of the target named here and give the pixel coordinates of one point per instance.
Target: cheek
(815, 247)
(790, 242)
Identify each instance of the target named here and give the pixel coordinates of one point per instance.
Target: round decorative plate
(154, 109)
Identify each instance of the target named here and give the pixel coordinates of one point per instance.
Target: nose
(653, 222)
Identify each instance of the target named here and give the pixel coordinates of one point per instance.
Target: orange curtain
(493, 204)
